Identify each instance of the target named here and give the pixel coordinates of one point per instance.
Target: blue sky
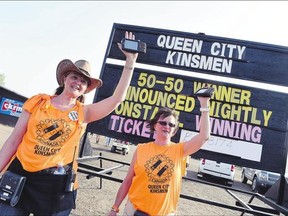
(35, 36)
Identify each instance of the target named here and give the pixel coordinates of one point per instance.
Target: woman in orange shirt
(153, 181)
(43, 146)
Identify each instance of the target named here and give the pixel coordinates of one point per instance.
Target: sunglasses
(164, 123)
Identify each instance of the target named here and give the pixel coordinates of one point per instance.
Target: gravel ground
(96, 198)
(96, 195)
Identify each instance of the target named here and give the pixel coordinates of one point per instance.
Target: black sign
(207, 54)
(248, 124)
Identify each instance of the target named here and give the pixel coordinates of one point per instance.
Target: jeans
(7, 210)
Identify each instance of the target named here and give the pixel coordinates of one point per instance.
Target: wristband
(204, 109)
(128, 68)
(115, 208)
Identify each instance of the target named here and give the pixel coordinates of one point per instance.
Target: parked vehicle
(216, 169)
(261, 180)
(120, 146)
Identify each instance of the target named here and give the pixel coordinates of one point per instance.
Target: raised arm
(102, 108)
(198, 140)
(10, 146)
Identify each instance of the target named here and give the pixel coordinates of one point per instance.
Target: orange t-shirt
(156, 186)
(52, 135)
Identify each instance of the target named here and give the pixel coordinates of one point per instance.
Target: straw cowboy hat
(81, 66)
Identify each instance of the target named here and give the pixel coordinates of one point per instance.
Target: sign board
(10, 107)
(207, 54)
(248, 124)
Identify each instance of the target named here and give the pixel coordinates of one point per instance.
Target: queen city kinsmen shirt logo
(51, 134)
(159, 170)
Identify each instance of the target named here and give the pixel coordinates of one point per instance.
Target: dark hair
(60, 89)
(163, 112)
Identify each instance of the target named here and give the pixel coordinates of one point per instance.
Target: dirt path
(95, 201)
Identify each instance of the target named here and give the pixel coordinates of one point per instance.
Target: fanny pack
(11, 186)
(43, 193)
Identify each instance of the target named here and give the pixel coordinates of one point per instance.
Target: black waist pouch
(140, 213)
(43, 194)
(11, 186)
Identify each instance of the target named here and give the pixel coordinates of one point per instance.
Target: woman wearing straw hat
(43, 146)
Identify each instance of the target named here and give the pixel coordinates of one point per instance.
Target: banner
(248, 124)
(10, 107)
(207, 54)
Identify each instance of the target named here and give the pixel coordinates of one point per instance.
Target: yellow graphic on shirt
(159, 169)
(51, 133)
